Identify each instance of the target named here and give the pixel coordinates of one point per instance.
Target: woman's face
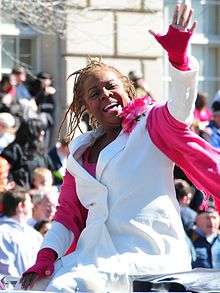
(104, 96)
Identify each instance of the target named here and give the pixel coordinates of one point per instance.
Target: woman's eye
(94, 95)
(111, 86)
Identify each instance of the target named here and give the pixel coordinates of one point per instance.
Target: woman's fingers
(175, 15)
(182, 16)
(28, 280)
(188, 18)
(192, 29)
(152, 33)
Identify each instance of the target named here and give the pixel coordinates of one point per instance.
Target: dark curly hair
(28, 134)
(77, 108)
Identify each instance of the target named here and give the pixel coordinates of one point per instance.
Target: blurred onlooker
(140, 84)
(58, 155)
(23, 96)
(7, 130)
(26, 152)
(212, 132)
(202, 113)
(44, 205)
(42, 178)
(4, 171)
(184, 194)
(21, 90)
(197, 200)
(19, 243)
(7, 92)
(207, 239)
(44, 95)
(43, 226)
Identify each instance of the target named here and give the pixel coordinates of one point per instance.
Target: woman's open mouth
(112, 107)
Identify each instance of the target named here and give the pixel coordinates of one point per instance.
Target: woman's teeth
(111, 107)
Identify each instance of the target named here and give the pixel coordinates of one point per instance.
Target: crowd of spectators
(199, 212)
(31, 167)
(31, 172)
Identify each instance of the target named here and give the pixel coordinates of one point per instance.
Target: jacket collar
(81, 143)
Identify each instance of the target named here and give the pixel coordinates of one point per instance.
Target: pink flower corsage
(133, 111)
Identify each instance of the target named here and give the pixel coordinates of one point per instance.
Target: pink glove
(175, 42)
(44, 265)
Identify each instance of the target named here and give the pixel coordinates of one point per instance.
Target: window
(205, 44)
(18, 45)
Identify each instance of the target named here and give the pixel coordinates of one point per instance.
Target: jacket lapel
(81, 143)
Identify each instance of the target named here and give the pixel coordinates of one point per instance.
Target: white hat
(7, 119)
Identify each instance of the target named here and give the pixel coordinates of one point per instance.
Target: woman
(26, 152)
(118, 200)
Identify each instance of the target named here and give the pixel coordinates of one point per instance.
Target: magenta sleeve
(196, 157)
(70, 212)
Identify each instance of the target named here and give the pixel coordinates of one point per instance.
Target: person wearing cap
(212, 132)
(207, 239)
(7, 124)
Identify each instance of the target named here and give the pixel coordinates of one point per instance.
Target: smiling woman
(117, 205)
(106, 99)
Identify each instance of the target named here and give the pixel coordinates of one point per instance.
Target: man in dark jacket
(207, 242)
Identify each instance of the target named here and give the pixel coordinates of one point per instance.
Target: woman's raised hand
(176, 40)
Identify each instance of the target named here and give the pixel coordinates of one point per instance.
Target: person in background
(7, 130)
(7, 92)
(46, 102)
(140, 85)
(42, 178)
(28, 106)
(19, 243)
(43, 226)
(184, 194)
(5, 184)
(58, 155)
(197, 200)
(44, 205)
(202, 114)
(27, 152)
(21, 90)
(207, 239)
(212, 132)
